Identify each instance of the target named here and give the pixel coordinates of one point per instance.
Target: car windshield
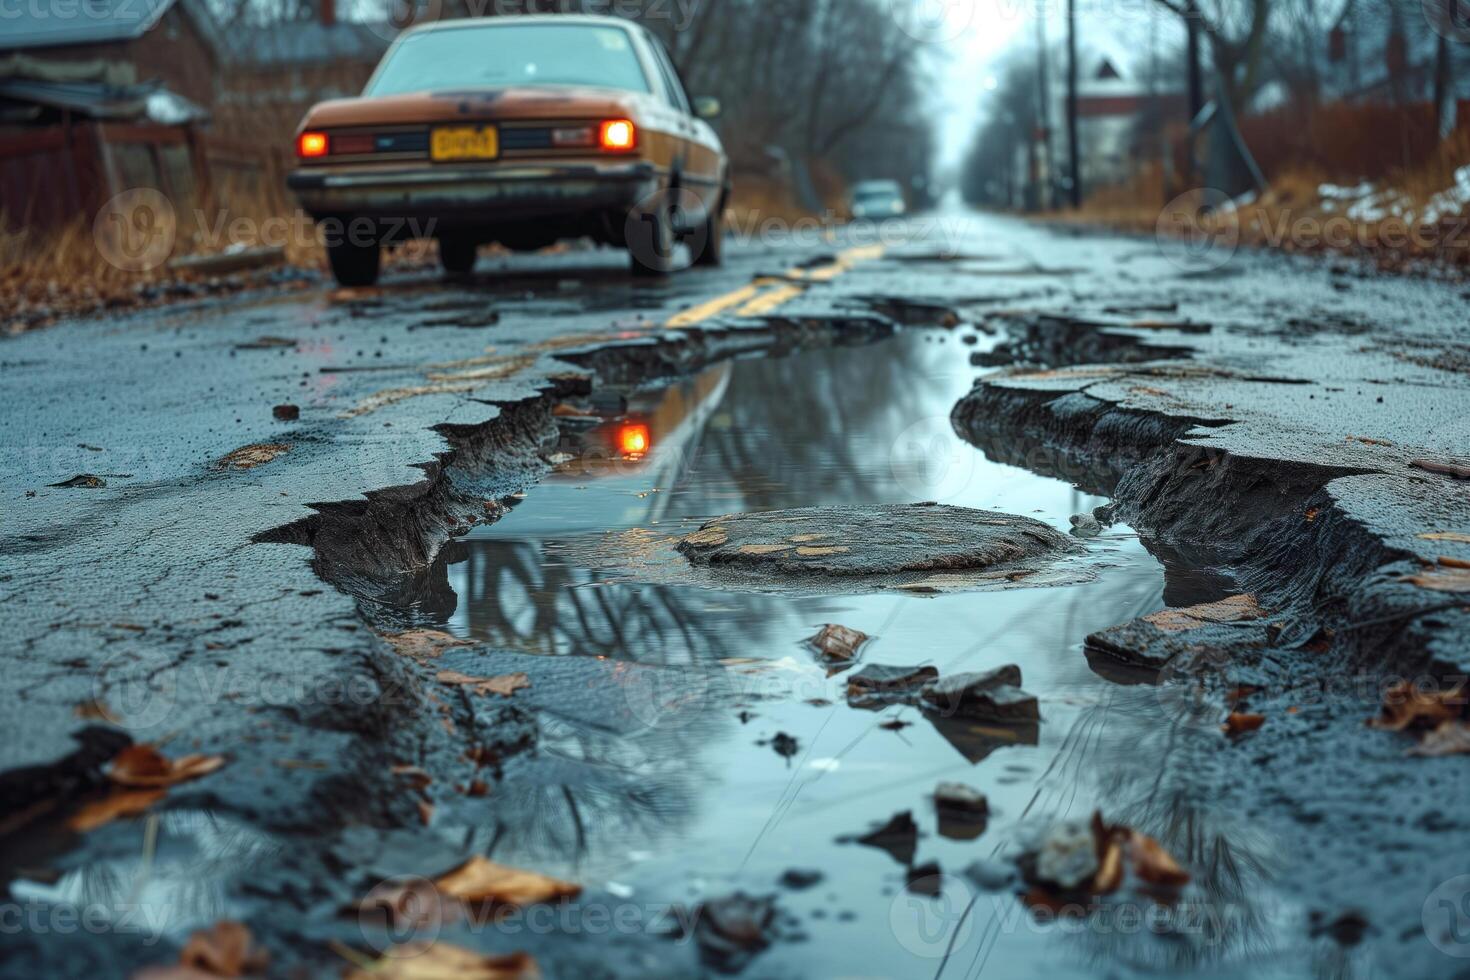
(875, 192)
(501, 55)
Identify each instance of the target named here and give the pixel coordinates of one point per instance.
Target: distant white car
(877, 199)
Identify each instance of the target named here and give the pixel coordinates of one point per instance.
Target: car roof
(458, 23)
(868, 186)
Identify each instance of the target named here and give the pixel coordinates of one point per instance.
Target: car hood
(477, 103)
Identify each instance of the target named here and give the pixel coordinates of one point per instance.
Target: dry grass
(1388, 226)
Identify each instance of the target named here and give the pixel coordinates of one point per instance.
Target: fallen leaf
(1457, 470)
(424, 644)
(145, 766)
(426, 812)
(709, 537)
(225, 949)
(1109, 875)
(1406, 706)
(504, 684)
(1240, 722)
(1154, 864)
(443, 961)
(1447, 576)
(249, 457)
(119, 803)
(1450, 738)
(1454, 536)
(482, 880)
(836, 642)
(1371, 442)
(414, 776)
(1236, 609)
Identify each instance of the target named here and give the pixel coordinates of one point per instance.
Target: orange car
(517, 130)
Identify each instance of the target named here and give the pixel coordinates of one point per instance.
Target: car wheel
(712, 250)
(457, 255)
(651, 242)
(354, 263)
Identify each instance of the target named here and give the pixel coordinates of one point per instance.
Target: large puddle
(701, 798)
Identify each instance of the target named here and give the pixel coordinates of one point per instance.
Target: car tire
(457, 255)
(712, 249)
(355, 264)
(651, 241)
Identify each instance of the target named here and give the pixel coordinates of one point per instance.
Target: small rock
(785, 745)
(839, 644)
(994, 695)
(899, 837)
(286, 413)
(800, 879)
(1106, 515)
(1085, 526)
(961, 799)
(926, 879)
(732, 930)
(991, 876)
(1067, 856)
(878, 685)
(84, 481)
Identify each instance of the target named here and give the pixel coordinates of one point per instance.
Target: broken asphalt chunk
(993, 696)
(899, 837)
(879, 685)
(838, 644)
(733, 930)
(82, 481)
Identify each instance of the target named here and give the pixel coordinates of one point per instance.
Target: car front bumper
(474, 194)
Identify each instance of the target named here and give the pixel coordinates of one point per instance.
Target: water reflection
(658, 772)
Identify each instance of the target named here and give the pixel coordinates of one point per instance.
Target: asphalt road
(186, 596)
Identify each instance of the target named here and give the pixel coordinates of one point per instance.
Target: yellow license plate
(464, 143)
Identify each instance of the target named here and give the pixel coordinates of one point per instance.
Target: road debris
(838, 644)
(733, 930)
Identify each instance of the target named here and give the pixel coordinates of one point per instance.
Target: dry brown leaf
(225, 949)
(1236, 609)
(119, 803)
(424, 644)
(443, 961)
(1154, 864)
(1406, 706)
(1459, 471)
(504, 684)
(249, 457)
(1447, 576)
(1109, 875)
(1241, 722)
(1455, 536)
(1450, 738)
(709, 537)
(482, 880)
(840, 643)
(145, 766)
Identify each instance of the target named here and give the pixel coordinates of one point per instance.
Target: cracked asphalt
(1295, 423)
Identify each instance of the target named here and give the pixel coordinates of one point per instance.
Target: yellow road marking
(714, 307)
(767, 293)
(768, 301)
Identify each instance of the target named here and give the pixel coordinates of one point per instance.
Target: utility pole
(1196, 82)
(1043, 97)
(1074, 152)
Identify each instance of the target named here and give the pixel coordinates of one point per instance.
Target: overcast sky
(971, 37)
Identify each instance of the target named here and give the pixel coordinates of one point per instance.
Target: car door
(699, 156)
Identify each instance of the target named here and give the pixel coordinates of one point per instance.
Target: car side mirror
(707, 107)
